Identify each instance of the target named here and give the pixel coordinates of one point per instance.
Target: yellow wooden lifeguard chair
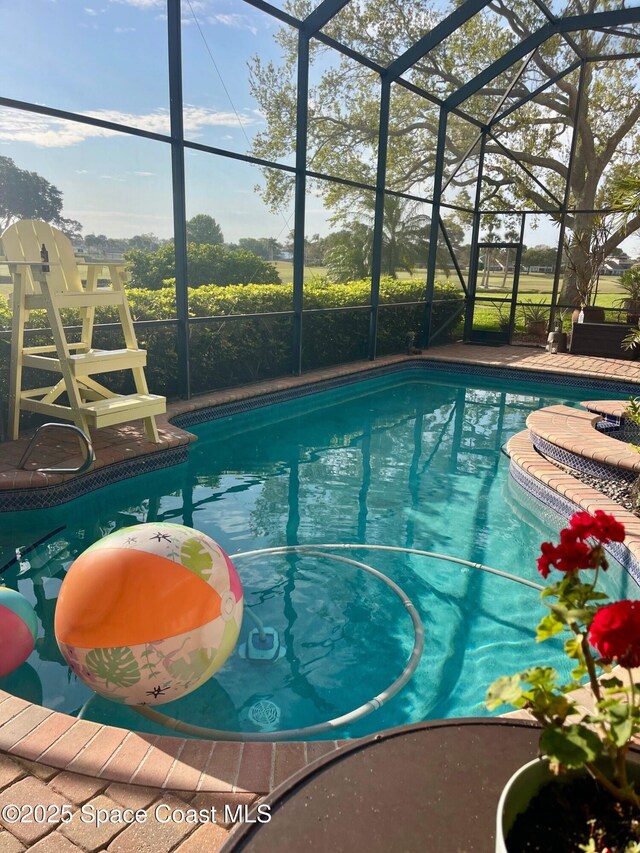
(45, 275)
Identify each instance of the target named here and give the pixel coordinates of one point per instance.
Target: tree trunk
(506, 269)
(579, 264)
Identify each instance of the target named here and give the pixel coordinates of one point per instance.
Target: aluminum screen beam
(438, 34)
(561, 25)
(275, 13)
(378, 222)
(174, 45)
(321, 15)
(302, 123)
(435, 222)
(535, 92)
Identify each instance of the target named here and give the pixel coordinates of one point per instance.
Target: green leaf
(578, 673)
(506, 690)
(544, 677)
(622, 731)
(611, 682)
(116, 665)
(559, 707)
(573, 648)
(571, 746)
(549, 626)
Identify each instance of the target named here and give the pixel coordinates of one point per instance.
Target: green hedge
(206, 264)
(229, 352)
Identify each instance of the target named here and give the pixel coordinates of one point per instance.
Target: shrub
(207, 264)
(226, 352)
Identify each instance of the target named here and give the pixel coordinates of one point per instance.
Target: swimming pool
(411, 461)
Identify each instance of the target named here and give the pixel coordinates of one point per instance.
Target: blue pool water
(408, 461)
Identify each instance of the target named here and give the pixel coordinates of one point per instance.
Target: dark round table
(426, 788)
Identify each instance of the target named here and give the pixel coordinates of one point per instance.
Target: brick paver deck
(52, 760)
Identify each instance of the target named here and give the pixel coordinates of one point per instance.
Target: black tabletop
(432, 787)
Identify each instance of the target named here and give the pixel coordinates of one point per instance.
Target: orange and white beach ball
(149, 613)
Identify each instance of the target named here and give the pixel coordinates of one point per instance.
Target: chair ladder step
(91, 362)
(128, 407)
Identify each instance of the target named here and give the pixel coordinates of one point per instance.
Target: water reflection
(410, 463)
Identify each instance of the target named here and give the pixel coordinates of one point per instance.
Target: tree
(27, 195)
(344, 104)
(263, 247)
(147, 242)
(540, 256)
(206, 264)
(204, 229)
(349, 255)
(405, 241)
(587, 251)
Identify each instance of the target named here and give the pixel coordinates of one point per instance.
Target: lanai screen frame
(311, 28)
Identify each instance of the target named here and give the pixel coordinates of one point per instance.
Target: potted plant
(630, 283)
(535, 316)
(585, 793)
(503, 309)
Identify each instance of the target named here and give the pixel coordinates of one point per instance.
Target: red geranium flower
(607, 528)
(571, 554)
(615, 632)
(574, 551)
(582, 524)
(600, 525)
(547, 559)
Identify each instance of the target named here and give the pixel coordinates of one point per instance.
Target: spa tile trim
(565, 494)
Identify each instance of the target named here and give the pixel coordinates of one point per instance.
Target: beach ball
(149, 613)
(18, 630)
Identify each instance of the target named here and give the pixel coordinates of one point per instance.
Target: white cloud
(124, 29)
(91, 11)
(49, 132)
(238, 22)
(111, 178)
(143, 4)
(82, 171)
(145, 174)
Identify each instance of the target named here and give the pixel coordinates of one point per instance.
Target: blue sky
(109, 59)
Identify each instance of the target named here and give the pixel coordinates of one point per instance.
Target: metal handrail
(90, 455)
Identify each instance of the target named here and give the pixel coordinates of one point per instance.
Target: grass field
(534, 287)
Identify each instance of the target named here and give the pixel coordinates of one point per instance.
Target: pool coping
(29, 489)
(54, 739)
